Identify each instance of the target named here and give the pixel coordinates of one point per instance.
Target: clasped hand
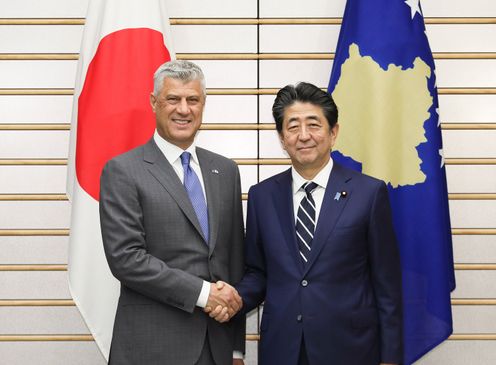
(223, 302)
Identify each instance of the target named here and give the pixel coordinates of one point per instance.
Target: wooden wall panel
(51, 353)
(34, 285)
(46, 320)
(35, 108)
(181, 9)
(19, 179)
(40, 38)
(461, 353)
(334, 9)
(323, 38)
(61, 74)
(471, 178)
(467, 144)
(474, 249)
(33, 250)
(475, 284)
(34, 214)
(467, 108)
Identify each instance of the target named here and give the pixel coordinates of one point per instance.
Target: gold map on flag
(373, 108)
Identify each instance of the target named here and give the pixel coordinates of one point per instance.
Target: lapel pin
(339, 195)
(215, 171)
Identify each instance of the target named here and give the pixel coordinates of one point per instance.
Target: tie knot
(309, 187)
(185, 157)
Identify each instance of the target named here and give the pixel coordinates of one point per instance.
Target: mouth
(181, 121)
(305, 148)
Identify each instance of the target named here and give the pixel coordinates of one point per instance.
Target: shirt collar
(320, 179)
(173, 152)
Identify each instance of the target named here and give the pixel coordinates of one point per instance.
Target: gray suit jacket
(155, 248)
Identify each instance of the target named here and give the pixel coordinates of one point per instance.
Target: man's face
(178, 111)
(306, 136)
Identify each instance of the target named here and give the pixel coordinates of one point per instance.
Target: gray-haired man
(172, 225)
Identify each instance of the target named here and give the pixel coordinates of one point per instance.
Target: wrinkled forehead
(182, 87)
(302, 111)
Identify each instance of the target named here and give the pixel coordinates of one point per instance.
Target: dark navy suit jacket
(346, 301)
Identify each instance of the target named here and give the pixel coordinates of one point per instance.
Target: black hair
(306, 93)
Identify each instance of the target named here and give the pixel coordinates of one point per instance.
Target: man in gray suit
(172, 226)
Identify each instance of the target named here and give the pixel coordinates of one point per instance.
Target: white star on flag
(441, 153)
(414, 7)
(439, 118)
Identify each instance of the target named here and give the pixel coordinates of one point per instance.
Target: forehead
(299, 110)
(179, 87)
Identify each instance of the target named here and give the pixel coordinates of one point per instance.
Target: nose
(304, 134)
(182, 107)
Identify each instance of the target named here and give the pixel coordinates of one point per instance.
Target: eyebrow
(174, 95)
(310, 117)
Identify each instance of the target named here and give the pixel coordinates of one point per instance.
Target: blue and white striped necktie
(305, 221)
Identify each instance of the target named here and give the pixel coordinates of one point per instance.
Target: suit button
(299, 318)
(304, 283)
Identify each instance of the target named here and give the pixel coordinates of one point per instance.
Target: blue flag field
(383, 81)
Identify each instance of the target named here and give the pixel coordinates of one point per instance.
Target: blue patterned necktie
(195, 193)
(305, 221)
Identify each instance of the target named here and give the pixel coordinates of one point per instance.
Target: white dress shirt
(173, 154)
(320, 179)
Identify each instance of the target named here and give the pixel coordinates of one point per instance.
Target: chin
(305, 162)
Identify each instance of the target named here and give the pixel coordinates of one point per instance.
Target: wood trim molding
(461, 267)
(37, 303)
(239, 56)
(33, 232)
(240, 91)
(241, 161)
(249, 337)
(63, 197)
(71, 303)
(245, 21)
(222, 126)
(33, 268)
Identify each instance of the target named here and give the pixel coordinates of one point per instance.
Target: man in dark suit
(172, 225)
(320, 249)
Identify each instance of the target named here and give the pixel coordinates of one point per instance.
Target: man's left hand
(238, 362)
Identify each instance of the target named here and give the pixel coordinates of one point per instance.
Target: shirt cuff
(238, 355)
(203, 297)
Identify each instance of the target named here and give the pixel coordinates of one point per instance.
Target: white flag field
(123, 43)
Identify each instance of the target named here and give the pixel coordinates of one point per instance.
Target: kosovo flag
(383, 81)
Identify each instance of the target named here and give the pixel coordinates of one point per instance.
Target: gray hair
(183, 70)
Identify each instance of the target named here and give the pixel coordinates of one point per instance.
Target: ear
(335, 131)
(334, 134)
(281, 140)
(153, 102)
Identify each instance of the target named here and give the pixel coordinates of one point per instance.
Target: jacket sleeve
(121, 219)
(236, 265)
(253, 286)
(386, 276)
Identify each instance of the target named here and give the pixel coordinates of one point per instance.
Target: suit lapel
(283, 201)
(211, 180)
(162, 170)
(330, 211)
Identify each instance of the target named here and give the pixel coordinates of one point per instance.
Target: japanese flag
(123, 43)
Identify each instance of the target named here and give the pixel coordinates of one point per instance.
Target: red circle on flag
(114, 112)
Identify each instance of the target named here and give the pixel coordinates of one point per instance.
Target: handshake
(223, 302)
